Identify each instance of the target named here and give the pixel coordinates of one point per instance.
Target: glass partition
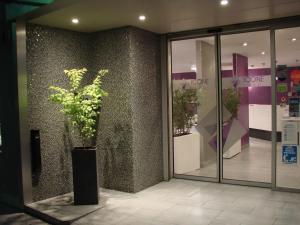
(194, 107)
(288, 107)
(247, 107)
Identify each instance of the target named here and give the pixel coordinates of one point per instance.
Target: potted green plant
(81, 105)
(184, 108)
(231, 99)
(186, 144)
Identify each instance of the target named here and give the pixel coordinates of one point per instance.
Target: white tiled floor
(182, 202)
(254, 164)
(20, 219)
(10, 216)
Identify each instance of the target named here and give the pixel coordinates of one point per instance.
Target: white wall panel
(260, 117)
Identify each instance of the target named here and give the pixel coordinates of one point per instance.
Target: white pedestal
(186, 153)
(233, 150)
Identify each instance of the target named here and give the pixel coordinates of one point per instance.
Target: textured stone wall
(49, 52)
(129, 133)
(111, 51)
(146, 108)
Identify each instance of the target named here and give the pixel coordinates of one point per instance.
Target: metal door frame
(216, 32)
(182, 176)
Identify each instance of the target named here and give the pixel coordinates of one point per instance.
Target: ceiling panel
(164, 16)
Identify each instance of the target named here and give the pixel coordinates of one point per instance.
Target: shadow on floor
(11, 216)
(4, 210)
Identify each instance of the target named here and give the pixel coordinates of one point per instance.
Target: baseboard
(263, 134)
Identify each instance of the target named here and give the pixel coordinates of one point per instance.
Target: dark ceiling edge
(43, 10)
(22, 2)
(94, 32)
(275, 23)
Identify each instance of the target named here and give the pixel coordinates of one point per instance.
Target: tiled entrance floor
(182, 202)
(254, 164)
(12, 217)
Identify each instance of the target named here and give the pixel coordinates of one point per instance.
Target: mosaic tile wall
(129, 133)
(146, 108)
(111, 51)
(49, 52)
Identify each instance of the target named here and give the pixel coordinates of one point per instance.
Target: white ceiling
(164, 16)
(184, 52)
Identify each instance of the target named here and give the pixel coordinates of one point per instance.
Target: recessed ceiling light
(245, 44)
(263, 53)
(142, 17)
(193, 68)
(224, 2)
(75, 20)
(294, 39)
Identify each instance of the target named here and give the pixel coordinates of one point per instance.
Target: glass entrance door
(287, 45)
(222, 125)
(194, 107)
(247, 107)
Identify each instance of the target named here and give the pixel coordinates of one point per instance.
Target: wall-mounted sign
(289, 133)
(294, 106)
(282, 88)
(289, 154)
(295, 76)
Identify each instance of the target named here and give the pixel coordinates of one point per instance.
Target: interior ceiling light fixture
(193, 68)
(294, 39)
(263, 53)
(75, 20)
(142, 17)
(245, 44)
(224, 2)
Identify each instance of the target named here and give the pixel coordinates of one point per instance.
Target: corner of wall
(146, 99)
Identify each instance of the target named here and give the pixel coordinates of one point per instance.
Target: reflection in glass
(246, 95)
(194, 107)
(288, 110)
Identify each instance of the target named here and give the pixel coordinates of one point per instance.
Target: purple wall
(226, 73)
(240, 69)
(184, 76)
(259, 72)
(257, 95)
(261, 95)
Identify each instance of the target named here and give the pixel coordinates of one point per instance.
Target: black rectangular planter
(85, 177)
